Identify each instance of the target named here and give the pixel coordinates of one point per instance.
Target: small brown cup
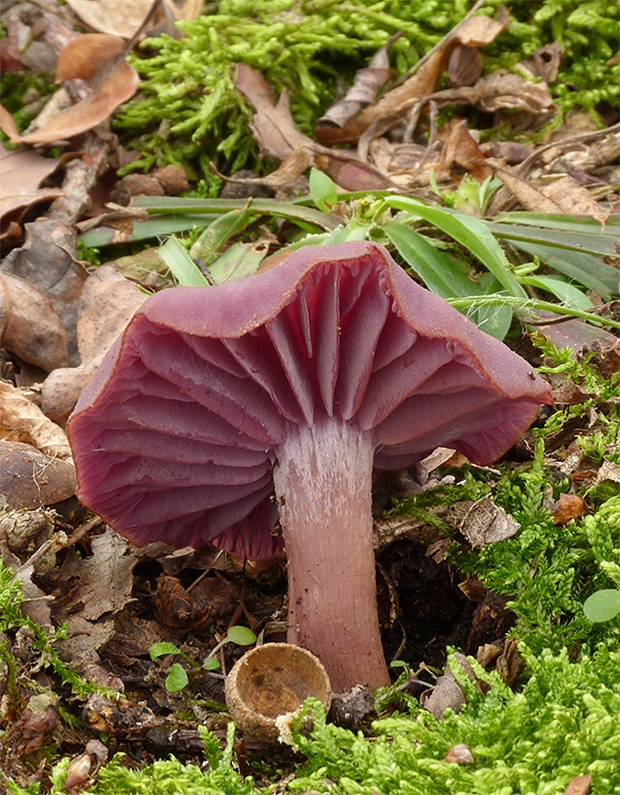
(273, 680)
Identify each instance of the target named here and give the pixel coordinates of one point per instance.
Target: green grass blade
(592, 241)
(181, 265)
(469, 232)
(567, 293)
(428, 263)
(578, 266)
(171, 205)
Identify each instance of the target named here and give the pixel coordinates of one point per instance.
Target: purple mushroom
(222, 409)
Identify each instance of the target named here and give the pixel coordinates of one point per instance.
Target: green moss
(565, 722)
(188, 111)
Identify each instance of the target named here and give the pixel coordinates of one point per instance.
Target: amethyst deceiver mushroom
(300, 380)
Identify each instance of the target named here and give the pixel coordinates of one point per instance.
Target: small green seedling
(177, 679)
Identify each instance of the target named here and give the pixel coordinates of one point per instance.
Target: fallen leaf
(103, 582)
(367, 84)
(471, 32)
(107, 303)
(579, 785)
(21, 420)
(531, 197)
(31, 329)
(21, 173)
(465, 66)
(504, 90)
(462, 151)
(567, 508)
(175, 607)
(545, 62)
(47, 260)
(608, 471)
(574, 199)
(276, 133)
(447, 693)
(29, 479)
(117, 85)
(85, 56)
(487, 523)
(459, 754)
(510, 665)
(115, 17)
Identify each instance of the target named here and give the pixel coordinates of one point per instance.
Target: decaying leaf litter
(408, 154)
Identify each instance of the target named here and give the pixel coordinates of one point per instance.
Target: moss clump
(188, 111)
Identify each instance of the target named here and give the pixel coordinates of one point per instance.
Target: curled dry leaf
(276, 133)
(29, 326)
(85, 56)
(465, 66)
(21, 420)
(21, 173)
(108, 302)
(117, 85)
(368, 82)
(486, 523)
(115, 17)
(447, 693)
(568, 507)
(471, 32)
(504, 90)
(29, 479)
(459, 755)
(579, 785)
(462, 151)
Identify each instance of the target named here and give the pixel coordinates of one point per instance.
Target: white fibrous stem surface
(323, 480)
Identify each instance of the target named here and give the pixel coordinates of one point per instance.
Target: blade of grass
(428, 263)
(578, 266)
(567, 293)
(171, 205)
(593, 241)
(181, 265)
(522, 307)
(143, 230)
(469, 232)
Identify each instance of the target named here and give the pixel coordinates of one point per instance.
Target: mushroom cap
(175, 437)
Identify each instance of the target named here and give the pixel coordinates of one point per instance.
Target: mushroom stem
(323, 481)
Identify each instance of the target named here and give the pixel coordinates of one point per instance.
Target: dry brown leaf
(103, 582)
(21, 420)
(608, 471)
(472, 32)
(447, 693)
(47, 261)
(465, 66)
(116, 17)
(107, 304)
(29, 479)
(579, 785)
(568, 507)
(531, 198)
(272, 126)
(85, 56)
(545, 62)
(278, 137)
(459, 754)
(462, 150)
(29, 326)
(504, 90)
(368, 82)
(117, 86)
(21, 173)
(486, 523)
(574, 199)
